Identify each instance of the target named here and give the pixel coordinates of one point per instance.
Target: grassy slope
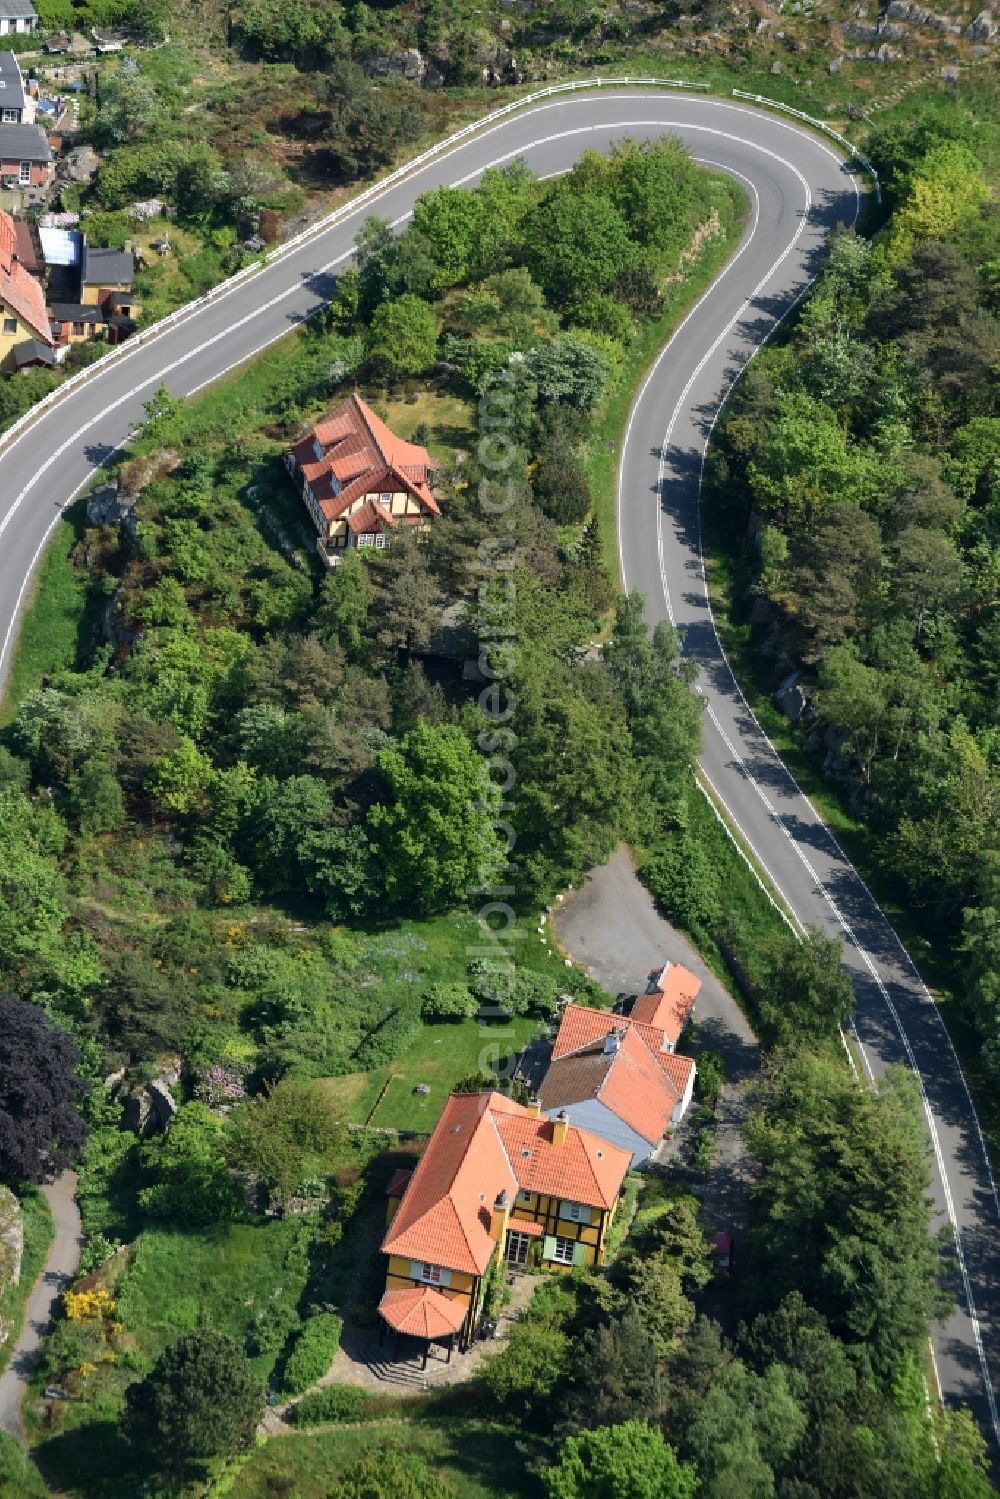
(477, 1461)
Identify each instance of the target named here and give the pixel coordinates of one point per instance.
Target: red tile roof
(668, 1000)
(370, 518)
(399, 1181)
(361, 455)
(19, 291)
(422, 1312)
(485, 1144)
(581, 1026)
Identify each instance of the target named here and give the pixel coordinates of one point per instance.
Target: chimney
(534, 1107)
(612, 1041)
(499, 1217)
(560, 1128)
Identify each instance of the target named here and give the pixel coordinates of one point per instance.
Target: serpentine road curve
(799, 189)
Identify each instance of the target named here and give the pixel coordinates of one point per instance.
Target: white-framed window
(576, 1212)
(431, 1274)
(386, 499)
(10, 325)
(366, 539)
(381, 539)
(524, 1195)
(562, 1250)
(11, 116)
(25, 177)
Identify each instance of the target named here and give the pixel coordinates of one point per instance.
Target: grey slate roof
(75, 312)
(106, 267)
(32, 351)
(17, 8)
(12, 92)
(23, 143)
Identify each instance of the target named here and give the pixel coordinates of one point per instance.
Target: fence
(373, 192)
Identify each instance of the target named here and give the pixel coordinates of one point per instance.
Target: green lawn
(475, 1460)
(52, 622)
(441, 1055)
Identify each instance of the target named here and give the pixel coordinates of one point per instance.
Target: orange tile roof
(583, 1168)
(19, 290)
(422, 1312)
(668, 1000)
(485, 1144)
(364, 456)
(444, 1216)
(581, 1026)
(637, 1089)
(639, 1081)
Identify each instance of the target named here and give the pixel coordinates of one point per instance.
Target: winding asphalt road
(799, 189)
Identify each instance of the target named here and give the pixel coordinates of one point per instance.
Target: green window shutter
(579, 1252)
(549, 1247)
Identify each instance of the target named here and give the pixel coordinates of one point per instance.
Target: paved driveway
(613, 928)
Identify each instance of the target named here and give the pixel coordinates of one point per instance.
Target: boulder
(860, 31)
(836, 64)
(789, 697)
(410, 64)
(162, 1103)
(107, 506)
(135, 1114)
(982, 29)
(78, 165)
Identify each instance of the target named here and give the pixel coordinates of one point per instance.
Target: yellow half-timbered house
(498, 1185)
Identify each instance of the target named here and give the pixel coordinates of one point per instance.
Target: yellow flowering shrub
(88, 1306)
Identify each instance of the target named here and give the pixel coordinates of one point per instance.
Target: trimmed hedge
(389, 1039)
(335, 1402)
(313, 1353)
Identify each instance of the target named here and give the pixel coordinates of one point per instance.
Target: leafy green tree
(200, 1400)
(842, 1212)
(449, 1002)
(129, 108)
(630, 1461)
(803, 994)
(369, 123)
(578, 245)
(436, 830)
(568, 370)
(191, 1182)
(308, 32)
(284, 1134)
(402, 338)
(457, 226)
(532, 1365)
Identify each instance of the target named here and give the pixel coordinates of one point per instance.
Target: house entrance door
(517, 1247)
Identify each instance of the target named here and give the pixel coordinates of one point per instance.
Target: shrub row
(314, 1351)
(336, 1402)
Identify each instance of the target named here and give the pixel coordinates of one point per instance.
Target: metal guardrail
(825, 129)
(370, 194)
